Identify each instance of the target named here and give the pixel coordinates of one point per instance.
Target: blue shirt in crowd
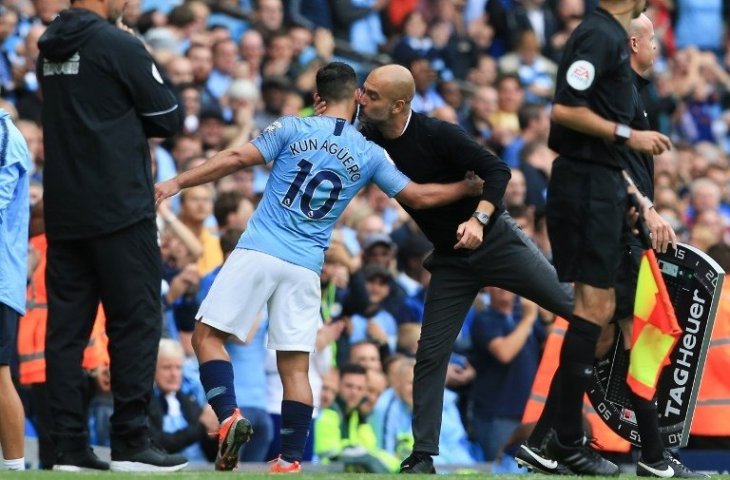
(509, 384)
(321, 164)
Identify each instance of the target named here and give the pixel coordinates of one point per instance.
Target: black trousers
(122, 270)
(506, 259)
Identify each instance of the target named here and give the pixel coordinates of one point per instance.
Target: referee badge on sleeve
(581, 74)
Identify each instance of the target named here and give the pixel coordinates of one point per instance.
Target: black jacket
(103, 96)
(434, 151)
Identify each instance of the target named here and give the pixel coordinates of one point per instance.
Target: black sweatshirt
(434, 151)
(102, 97)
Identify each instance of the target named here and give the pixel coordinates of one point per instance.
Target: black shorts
(8, 332)
(626, 279)
(586, 213)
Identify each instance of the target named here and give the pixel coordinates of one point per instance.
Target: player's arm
(428, 195)
(219, 165)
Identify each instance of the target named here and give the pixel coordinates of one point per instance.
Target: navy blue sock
(217, 379)
(296, 418)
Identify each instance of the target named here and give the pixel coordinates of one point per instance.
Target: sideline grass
(45, 475)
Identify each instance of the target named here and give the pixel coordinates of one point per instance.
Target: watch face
(623, 131)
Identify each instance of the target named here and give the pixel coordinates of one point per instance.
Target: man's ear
(634, 41)
(316, 97)
(398, 106)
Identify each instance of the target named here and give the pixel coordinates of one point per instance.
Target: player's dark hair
(336, 82)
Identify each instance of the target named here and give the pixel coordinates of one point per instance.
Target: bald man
(476, 243)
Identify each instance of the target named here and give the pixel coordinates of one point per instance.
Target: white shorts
(251, 279)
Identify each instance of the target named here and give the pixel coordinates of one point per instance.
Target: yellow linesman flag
(655, 330)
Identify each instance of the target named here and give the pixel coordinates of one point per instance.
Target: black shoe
(417, 462)
(535, 459)
(666, 467)
(79, 461)
(151, 459)
(581, 459)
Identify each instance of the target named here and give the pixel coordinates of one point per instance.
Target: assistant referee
(586, 211)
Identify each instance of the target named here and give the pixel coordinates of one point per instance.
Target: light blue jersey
(320, 165)
(15, 168)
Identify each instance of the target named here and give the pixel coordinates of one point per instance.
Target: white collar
(408, 121)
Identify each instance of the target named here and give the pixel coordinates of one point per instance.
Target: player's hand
(319, 104)
(469, 235)
(660, 231)
(649, 142)
(473, 184)
(165, 189)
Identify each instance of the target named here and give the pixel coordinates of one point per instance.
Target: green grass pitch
(44, 475)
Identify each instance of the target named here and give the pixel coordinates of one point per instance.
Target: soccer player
(319, 165)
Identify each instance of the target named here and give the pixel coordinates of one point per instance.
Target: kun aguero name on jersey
(341, 153)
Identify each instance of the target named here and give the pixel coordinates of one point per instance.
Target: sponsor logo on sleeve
(581, 74)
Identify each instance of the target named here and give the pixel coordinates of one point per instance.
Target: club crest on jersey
(581, 74)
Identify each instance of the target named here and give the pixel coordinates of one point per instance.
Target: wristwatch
(481, 217)
(621, 134)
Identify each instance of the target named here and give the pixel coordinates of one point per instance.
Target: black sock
(550, 413)
(576, 364)
(296, 418)
(647, 419)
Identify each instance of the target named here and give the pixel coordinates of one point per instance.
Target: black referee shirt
(434, 151)
(641, 165)
(594, 73)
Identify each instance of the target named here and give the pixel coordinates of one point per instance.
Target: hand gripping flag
(655, 331)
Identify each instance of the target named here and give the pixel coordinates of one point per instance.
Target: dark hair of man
(336, 82)
(229, 240)
(721, 254)
(529, 112)
(352, 369)
(529, 149)
(226, 203)
(181, 16)
(508, 76)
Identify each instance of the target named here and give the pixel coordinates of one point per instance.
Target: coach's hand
(469, 234)
(660, 231)
(165, 189)
(649, 142)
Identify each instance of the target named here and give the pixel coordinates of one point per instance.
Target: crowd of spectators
(488, 65)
